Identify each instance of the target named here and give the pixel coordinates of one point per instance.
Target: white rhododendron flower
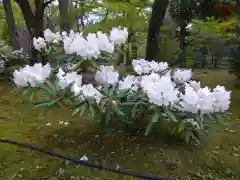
(195, 85)
(142, 66)
(39, 43)
(118, 36)
(58, 36)
(148, 80)
(130, 82)
(182, 76)
(64, 34)
(107, 75)
(49, 36)
(31, 75)
(90, 47)
(206, 100)
(189, 100)
(67, 45)
(87, 49)
(160, 91)
(222, 99)
(72, 34)
(158, 67)
(66, 79)
(104, 43)
(90, 92)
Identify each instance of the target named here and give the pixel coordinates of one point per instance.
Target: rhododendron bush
(153, 93)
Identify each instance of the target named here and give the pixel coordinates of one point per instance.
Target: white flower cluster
(51, 37)
(107, 75)
(73, 80)
(89, 47)
(145, 67)
(204, 100)
(130, 82)
(118, 36)
(31, 75)
(182, 76)
(67, 79)
(161, 90)
(39, 43)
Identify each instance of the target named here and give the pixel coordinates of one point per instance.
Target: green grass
(218, 157)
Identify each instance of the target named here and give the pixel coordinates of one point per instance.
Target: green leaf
(54, 102)
(45, 89)
(83, 109)
(108, 114)
(128, 103)
(187, 137)
(91, 110)
(117, 111)
(155, 117)
(77, 110)
(111, 91)
(27, 92)
(219, 118)
(41, 104)
(78, 106)
(77, 65)
(135, 108)
(149, 128)
(32, 95)
(51, 87)
(169, 114)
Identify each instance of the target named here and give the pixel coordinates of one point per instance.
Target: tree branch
(27, 13)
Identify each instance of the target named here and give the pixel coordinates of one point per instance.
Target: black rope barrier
(82, 162)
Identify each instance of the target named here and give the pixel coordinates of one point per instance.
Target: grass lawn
(218, 157)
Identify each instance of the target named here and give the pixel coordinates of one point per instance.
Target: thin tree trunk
(64, 9)
(34, 23)
(159, 8)
(182, 43)
(12, 29)
(82, 14)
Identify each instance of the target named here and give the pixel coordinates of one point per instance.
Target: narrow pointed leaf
(170, 114)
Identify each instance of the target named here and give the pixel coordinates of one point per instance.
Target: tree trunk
(183, 26)
(64, 9)
(12, 29)
(34, 23)
(159, 8)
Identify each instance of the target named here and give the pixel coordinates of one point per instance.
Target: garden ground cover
(218, 157)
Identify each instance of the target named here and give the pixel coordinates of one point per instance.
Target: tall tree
(12, 29)
(64, 9)
(159, 8)
(34, 22)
